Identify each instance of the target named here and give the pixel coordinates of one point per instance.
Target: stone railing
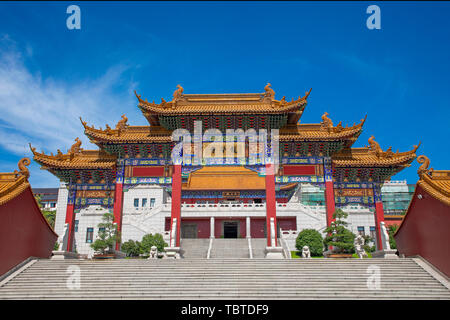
(289, 206)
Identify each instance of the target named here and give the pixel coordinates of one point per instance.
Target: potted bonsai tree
(339, 237)
(107, 237)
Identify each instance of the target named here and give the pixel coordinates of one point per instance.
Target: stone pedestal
(274, 253)
(61, 255)
(387, 254)
(172, 253)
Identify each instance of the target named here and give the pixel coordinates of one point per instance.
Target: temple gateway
(133, 175)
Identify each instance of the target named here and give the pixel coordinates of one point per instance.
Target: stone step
(225, 279)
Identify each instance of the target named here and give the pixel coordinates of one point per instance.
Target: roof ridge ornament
(177, 95)
(76, 147)
(425, 163)
(22, 164)
(122, 124)
(269, 93)
(327, 123)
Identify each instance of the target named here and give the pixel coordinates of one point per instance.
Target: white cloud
(46, 112)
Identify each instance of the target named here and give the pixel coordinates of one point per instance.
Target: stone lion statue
(153, 253)
(359, 246)
(305, 252)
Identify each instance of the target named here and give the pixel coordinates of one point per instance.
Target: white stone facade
(150, 218)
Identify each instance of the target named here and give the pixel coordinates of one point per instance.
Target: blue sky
(50, 75)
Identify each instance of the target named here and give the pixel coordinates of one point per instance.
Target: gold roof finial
(326, 122)
(269, 92)
(122, 124)
(75, 148)
(22, 164)
(177, 93)
(425, 163)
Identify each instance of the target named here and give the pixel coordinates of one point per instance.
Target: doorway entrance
(230, 229)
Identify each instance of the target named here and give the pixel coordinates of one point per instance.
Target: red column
(271, 210)
(70, 218)
(329, 190)
(379, 215)
(329, 200)
(176, 202)
(118, 206)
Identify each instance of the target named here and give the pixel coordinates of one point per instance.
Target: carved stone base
(172, 253)
(387, 254)
(274, 253)
(61, 255)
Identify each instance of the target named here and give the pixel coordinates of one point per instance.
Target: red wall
(299, 170)
(257, 227)
(203, 226)
(424, 231)
(148, 171)
(287, 223)
(24, 232)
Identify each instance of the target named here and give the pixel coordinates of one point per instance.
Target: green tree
(312, 239)
(131, 248)
(49, 215)
(338, 235)
(150, 240)
(391, 230)
(108, 235)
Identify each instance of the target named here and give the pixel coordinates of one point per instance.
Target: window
(361, 231)
(373, 234)
(136, 203)
(144, 202)
(53, 205)
(76, 225)
(89, 235)
(152, 202)
(101, 229)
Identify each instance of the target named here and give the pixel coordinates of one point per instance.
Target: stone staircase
(194, 248)
(229, 249)
(259, 247)
(222, 279)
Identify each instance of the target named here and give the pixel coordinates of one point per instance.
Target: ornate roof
(435, 182)
(14, 183)
(373, 156)
(224, 178)
(158, 134)
(222, 103)
(321, 131)
(127, 134)
(75, 158)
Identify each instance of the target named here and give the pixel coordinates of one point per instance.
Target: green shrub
(108, 235)
(391, 230)
(312, 239)
(150, 240)
(131, 248)
(338, 236)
